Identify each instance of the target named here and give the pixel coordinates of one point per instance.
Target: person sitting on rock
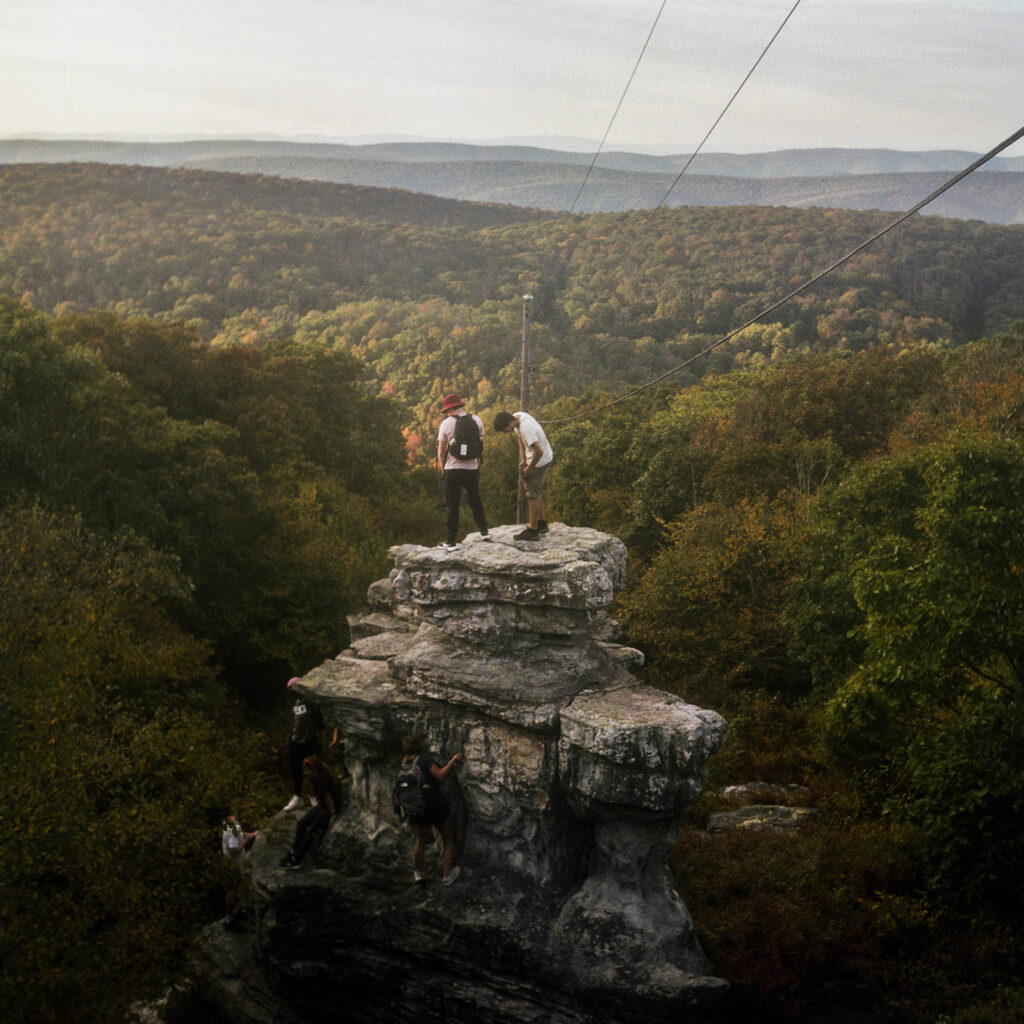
(535, 455)
(307, 724)
(419, 797)
(315, 822)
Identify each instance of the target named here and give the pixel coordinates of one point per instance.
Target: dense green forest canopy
(181, 530)
(823, 521)
(426, 293)
(829, 550)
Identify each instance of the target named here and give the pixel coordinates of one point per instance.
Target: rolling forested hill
(997, 198)
(426, 292)
(198, 483)
(550, 178)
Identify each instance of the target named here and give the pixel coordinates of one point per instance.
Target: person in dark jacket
(436, 812)
(307, 724)
(315, 822)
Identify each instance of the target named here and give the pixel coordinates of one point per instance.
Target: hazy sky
(905, 74)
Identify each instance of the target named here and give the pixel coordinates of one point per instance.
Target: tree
(270, 474)
(706, 607)
(114, 769)
(933, 684)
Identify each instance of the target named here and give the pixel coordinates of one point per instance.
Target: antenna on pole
(522, 512)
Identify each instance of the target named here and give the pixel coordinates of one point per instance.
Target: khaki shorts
(534, 483)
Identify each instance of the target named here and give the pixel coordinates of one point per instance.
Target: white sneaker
(418, 876)
(312, 801)
(452, 875)
(294, 804)
(450, 547)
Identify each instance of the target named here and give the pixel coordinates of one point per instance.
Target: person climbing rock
(419, 797)
(307, 724)
(315, 822)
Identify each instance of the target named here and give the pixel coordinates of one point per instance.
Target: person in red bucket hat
(460, 443)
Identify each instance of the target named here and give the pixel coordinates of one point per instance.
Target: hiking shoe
(449, 547)
(294, 804)
(527, 534)
(418, 876)
(452, 875)
(289, 863)
(542, 526)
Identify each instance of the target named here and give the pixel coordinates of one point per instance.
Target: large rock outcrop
(567, 802)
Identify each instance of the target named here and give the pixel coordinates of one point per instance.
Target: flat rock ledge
(568, 801)
(779, 820)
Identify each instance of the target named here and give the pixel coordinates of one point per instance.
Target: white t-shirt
(232, 842)
(530, 432)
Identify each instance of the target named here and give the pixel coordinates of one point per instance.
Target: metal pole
(523, 514)
(524, 386)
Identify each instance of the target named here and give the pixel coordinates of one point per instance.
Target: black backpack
(411, 790)
(466, 442)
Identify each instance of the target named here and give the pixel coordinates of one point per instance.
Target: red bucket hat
(451, 401)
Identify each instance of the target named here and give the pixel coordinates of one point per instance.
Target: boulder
(574, 779)
(767, 793)
(762, 818)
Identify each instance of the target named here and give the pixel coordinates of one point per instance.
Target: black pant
(454, 482)
(312, 824)
(297, 753)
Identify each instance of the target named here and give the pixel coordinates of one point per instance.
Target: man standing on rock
(535, 455)
(460, 443)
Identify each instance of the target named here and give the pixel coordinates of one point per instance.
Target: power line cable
(1019, 134)
(728, 105)
(604, 138)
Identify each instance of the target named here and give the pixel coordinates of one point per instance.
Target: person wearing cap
(307, 723)
(461, 468)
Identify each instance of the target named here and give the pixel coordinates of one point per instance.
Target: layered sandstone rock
(574, 780)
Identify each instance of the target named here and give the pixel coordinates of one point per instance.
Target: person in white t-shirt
(535, 455)
(235, 843)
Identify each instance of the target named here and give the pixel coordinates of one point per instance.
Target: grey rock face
(567, 802)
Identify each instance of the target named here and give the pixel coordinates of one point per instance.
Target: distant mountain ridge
(783, 163)
(542, 178)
